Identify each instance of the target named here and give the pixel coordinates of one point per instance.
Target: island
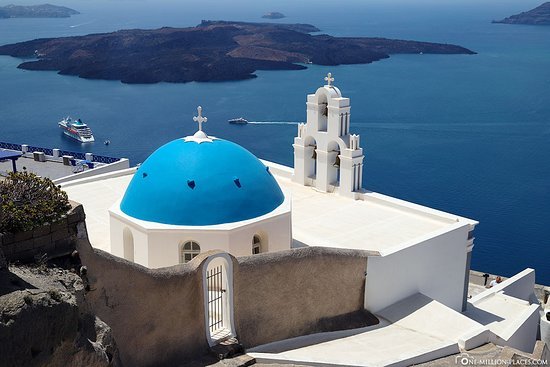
(36, 11)
(211, 51)
(538, 16)
(273, 15)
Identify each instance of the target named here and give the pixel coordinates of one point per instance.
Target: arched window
(256, 245)
(189, 250)
(322, 120)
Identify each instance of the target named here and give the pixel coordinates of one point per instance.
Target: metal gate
(217, 283)
(216, 302)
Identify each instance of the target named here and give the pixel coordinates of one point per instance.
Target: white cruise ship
(77, 130)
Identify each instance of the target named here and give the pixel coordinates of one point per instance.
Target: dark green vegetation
(28, 201)
(36, 11)
(212, 51)
(538, 16)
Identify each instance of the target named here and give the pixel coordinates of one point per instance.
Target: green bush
(28, 201)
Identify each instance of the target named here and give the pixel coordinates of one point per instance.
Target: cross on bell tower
(200, 119)
(329, 79)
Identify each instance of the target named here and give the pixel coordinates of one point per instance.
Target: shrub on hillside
(28, 201)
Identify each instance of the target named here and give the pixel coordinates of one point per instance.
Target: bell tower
(326, 155)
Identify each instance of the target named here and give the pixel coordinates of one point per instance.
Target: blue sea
(467, 134)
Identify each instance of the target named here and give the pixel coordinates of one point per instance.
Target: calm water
(465, 134)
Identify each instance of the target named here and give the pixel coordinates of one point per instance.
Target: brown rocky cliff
(44, 321)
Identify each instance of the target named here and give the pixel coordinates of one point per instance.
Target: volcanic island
(211, 51)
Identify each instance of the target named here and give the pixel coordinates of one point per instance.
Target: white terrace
(318, 219)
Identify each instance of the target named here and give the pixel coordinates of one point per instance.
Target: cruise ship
(77, 130)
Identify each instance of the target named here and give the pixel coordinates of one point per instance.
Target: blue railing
(105, 159)
(10, 146)
(47, 151)
(39, 149)
(76, 155)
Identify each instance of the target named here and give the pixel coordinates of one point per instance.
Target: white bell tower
(326, 155)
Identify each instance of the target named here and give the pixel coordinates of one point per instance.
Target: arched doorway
(128, 244)
(218, 298)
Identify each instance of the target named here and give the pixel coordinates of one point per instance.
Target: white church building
(197, 194)
(201, 193)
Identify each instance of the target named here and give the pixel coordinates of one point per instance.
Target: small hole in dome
(191, 184)
(144, 174)
(237, 182)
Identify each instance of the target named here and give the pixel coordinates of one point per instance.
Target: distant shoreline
(537, 16)
(36, 11)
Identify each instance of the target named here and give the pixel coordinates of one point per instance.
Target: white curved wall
(156, 248)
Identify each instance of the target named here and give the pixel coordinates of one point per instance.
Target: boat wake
(274, 122)
(81, 24)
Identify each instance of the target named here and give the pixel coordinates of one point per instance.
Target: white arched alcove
(128, 244)
(217, 275)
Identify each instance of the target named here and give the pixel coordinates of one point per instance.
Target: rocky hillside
(44, 320)
(538, 16)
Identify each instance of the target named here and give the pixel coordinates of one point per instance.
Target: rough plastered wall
(291, 293)
(157, 316)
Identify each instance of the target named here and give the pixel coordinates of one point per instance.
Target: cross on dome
(200, 136)
(200, 119)
(329, 79)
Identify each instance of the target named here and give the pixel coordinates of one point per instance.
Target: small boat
(107, 142)
(76, 129)
(239, 121)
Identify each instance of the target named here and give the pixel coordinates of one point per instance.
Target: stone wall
(158, 315)
(291, 293)
(55, 239)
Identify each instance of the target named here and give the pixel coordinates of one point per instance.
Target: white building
(197, 194)
(201, 193)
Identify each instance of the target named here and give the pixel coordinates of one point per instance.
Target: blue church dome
(187, 183)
